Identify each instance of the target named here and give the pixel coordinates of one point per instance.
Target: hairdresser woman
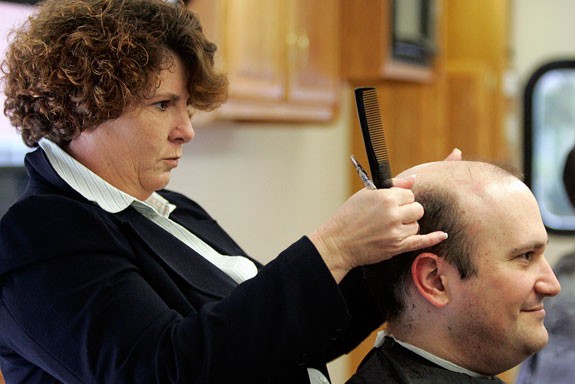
(108, 278)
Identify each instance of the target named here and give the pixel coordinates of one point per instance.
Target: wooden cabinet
(283, 65)
(367, 43)
(313, 51)
(253, 49)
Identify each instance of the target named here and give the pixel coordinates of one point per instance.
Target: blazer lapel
(178, 257)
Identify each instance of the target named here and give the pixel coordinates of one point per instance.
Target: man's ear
(427, 272)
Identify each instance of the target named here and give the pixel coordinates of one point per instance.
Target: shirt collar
(94, 188)
(429, 356)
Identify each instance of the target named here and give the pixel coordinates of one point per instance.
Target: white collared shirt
(155, 208)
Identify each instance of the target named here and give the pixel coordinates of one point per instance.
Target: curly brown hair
(78, 63)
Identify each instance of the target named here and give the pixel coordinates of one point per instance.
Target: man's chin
(538, 339)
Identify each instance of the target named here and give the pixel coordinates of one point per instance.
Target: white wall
(543, 31)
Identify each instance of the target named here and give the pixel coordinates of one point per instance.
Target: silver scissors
(362, 174)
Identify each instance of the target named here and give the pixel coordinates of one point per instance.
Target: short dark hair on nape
(390, 280)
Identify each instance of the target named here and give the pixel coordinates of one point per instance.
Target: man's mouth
(539, 309)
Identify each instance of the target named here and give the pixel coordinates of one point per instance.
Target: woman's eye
(162, 105)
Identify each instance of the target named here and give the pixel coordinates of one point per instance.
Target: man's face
(498, 314)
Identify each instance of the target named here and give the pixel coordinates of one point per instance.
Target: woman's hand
(372, 226)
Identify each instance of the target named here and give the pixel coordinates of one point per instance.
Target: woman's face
(137, 151)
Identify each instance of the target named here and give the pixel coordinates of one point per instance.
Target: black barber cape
(393, 364)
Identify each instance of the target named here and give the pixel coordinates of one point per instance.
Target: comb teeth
(374, 139)
(374, 123)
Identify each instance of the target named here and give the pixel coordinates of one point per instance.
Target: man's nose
(548, 284)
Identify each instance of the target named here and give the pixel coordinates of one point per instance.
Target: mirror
(549, 136)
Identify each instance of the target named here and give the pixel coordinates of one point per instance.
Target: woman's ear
(427, 272)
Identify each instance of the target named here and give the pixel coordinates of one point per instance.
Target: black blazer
(92, 297)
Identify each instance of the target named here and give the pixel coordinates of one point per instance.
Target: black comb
(372, 129)
(374, 140)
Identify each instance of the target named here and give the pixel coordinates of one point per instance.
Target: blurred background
(273, 163)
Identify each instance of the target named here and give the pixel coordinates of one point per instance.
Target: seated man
(472, 306)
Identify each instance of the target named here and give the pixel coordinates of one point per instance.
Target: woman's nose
(183, 130)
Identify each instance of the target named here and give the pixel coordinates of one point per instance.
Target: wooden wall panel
(468, 113)
(412, 115)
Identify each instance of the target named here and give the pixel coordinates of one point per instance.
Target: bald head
(471, 185)
(460, 177)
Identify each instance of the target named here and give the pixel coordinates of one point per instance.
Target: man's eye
(527, 256)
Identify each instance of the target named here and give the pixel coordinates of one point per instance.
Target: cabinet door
(252, 49)
(281, 61)
(312, 43)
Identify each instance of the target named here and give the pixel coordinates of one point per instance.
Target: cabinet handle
(291, 41)
(303, 48)
(298, 48)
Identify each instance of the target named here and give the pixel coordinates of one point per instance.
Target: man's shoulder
(392, 363)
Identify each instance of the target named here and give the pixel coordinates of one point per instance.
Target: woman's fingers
(415, 242)
(455, 155)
